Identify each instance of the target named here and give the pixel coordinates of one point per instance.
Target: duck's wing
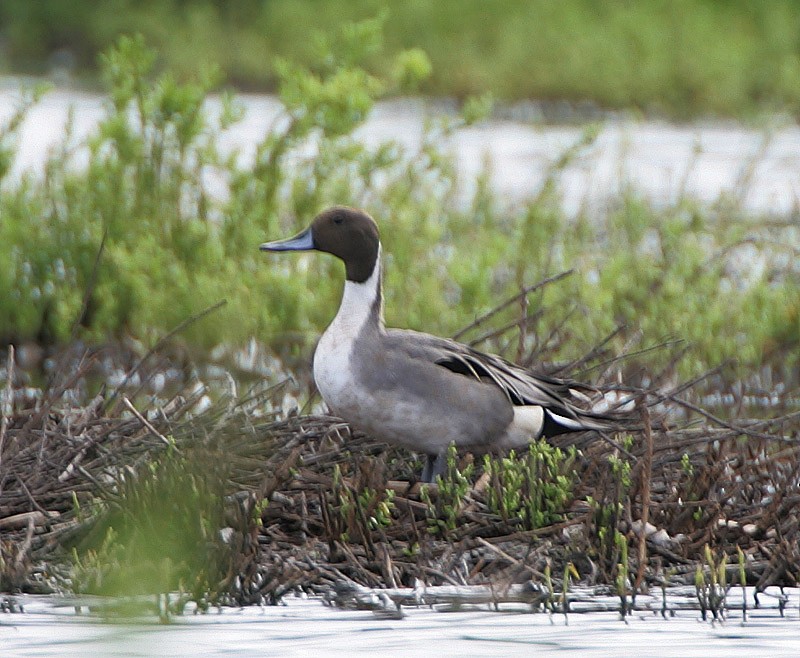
(558, 397)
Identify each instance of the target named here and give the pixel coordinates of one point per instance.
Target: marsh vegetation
(224, 495)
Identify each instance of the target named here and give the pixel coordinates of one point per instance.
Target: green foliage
(477, 108)
(355, 514)
(622, 581)
(444, 509)
(10, 131)
(532, 490)
(570, 572)
(159, 532)
(621, 468)
(686, 465)
(607, 513)
(411, 69)
(711, 584)
(173, 248)
(536, 487)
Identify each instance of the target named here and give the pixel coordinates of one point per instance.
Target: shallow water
(660, 160)
(306, 627)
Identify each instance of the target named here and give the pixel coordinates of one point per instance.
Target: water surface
(306, 627)
(706, 160)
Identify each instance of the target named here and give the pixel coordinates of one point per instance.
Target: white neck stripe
(358, 301)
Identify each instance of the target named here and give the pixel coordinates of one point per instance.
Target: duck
(416, 390)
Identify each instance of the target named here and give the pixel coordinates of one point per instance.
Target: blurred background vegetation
(679, 57)
(135, 242)
(148, 221)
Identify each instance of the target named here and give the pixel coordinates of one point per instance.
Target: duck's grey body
(414, 389)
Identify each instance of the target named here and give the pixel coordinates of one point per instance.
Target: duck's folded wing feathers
(521, 386)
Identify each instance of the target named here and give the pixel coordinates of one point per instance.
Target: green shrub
(158, 531)
(172, 248)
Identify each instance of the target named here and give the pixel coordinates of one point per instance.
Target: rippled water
(305, 627)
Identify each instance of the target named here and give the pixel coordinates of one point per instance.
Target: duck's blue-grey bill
(301, 242)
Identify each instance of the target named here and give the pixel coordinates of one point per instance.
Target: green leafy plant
(711, 584)
(536, 487)
(355, 514)
(159, 531)
(607, 513)
(174, 244)
(729, 58)
(444, 507)
(622, 580)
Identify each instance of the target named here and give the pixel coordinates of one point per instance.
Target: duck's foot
(434, 465)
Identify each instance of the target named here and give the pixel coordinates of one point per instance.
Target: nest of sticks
(311, 503)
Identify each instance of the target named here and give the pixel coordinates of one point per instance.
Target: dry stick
(514, 324)
(87, 295)
(22, 551)
(145, 422)
(616, 445)
(747, 174)
(668, 368)
(765, 422)
(161, 341)
(510, 558)
(731, 426)
(159, 366)
(680, 388)
(32, 500)
(553, 332)
(629, 355)
(8, 403)
(523, 325)
(525, 291)
(90, 284)
(51, 397)
(386, 565)
(647, 474)
(594, 352)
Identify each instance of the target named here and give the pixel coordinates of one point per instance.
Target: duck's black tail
(566, 417)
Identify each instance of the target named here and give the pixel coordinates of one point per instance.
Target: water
(660, 160)
(305, 627)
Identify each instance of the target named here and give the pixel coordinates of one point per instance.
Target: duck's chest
(347, 347)
(339, 360)
(333, 367)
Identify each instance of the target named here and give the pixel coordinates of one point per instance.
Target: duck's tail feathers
(568, 418)
(556, 423)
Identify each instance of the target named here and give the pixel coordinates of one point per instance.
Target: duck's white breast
(333, 371)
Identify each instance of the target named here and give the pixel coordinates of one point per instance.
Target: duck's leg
(428, 468)
(434, 465)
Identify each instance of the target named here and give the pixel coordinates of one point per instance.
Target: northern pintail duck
(413, 389)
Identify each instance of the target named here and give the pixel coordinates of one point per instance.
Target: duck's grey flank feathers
(520, 386)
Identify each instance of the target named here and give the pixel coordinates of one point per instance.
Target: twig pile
(335, 507)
